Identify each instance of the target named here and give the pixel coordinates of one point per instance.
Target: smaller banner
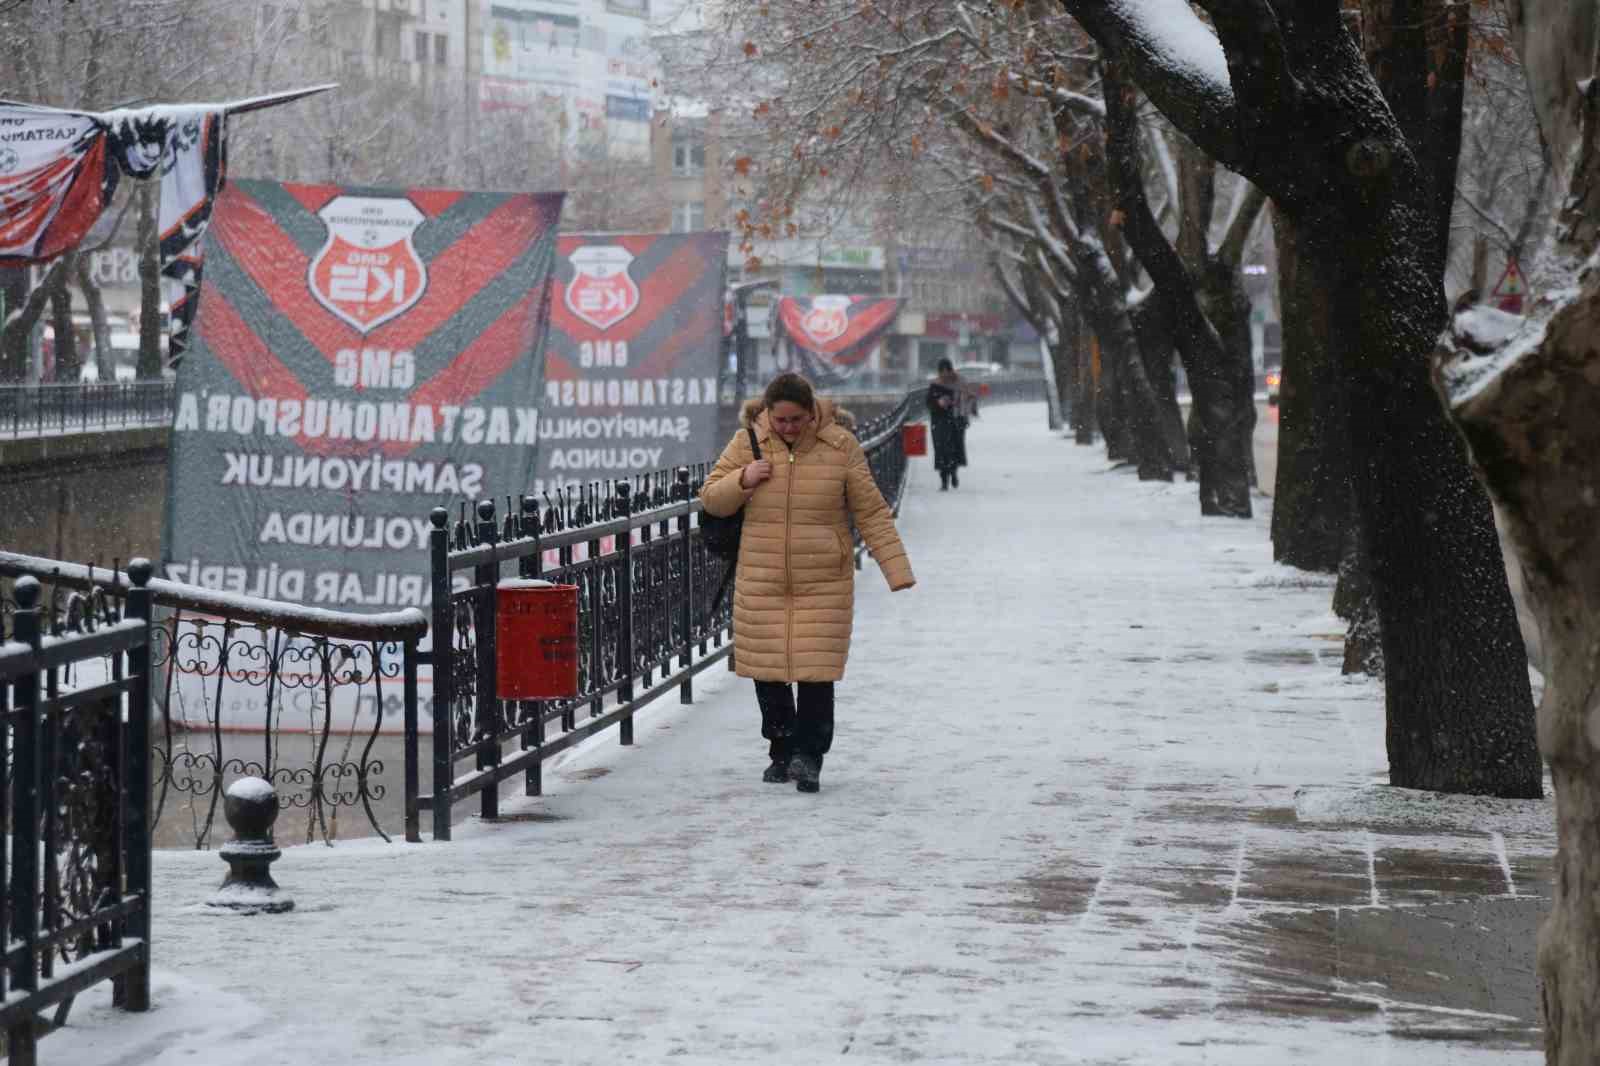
(194, 167)
(832, 336)
(630, 380)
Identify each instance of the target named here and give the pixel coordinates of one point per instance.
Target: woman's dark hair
(945, 364)
(791, 388)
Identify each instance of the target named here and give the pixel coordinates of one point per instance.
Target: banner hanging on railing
(630, 382)
(833, 336)
(360, 356)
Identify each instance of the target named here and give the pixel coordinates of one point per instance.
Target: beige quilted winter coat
(794, 590)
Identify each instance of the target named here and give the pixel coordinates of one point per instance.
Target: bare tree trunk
(69, 366)
(1311, 500)
(18, 334)
(97, 320)
(149, 283)
(1535, 442)
(1086, 384)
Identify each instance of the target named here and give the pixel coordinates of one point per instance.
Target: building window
(441, 50)
(420, 48)
(689, 217)
(688, 157)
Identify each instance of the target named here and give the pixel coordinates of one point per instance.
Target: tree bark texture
(97, 320)
(1536, 442)
(1311, 499)
(68, 366)
(1303, 118)
(1221, 389)
(1086, 385)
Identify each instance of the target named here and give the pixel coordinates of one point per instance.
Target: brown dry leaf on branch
(741, 165)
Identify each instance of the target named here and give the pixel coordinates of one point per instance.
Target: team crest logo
(827, 319)
(601, 292)
(368, 271)
(8, 159)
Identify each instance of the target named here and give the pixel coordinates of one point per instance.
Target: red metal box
(914, 438)
(535, 640)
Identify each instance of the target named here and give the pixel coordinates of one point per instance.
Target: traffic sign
(1509, 292)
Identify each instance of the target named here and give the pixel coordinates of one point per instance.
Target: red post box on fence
(535, 640)
(914, 438)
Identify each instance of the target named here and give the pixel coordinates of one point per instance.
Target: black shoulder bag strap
(727, 575)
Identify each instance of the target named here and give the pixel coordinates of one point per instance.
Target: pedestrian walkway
(1098, 795)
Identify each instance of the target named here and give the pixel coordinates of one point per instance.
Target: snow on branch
(1177, 59)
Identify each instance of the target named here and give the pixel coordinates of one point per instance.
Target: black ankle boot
(776, 773)
(806, 771)
(944, 481)
(955, 480)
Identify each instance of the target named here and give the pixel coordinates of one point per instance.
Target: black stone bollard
(251, 806)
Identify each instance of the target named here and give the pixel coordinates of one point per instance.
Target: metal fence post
(625, 614)
(487, 734)
(413, 753)
(532, 566)
(686, 606)
(137, 835)
(21, 1042)
(442, 660)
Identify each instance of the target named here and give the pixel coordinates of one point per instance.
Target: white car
(980, 370)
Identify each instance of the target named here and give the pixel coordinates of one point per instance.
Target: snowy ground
(1098, 795)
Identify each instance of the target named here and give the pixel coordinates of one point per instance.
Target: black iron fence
(646, 625)
(647, 622)
(75, 908)
(42, 410)
(310, 700)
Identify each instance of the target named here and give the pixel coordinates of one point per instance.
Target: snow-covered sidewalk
(1098, 795)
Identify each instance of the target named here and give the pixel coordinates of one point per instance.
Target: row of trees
(1115, 157)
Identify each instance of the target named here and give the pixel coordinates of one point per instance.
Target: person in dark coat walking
(949, 404)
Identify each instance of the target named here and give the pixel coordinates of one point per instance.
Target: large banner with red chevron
(630, 380)
(831, 337)
(360, 356)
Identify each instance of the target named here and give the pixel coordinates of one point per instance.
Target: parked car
(980, 370)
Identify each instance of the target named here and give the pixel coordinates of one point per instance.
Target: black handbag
(720, 533)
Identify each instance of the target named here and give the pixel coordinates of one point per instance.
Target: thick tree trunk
(97, 320)
(1311, 499)
(1086, 397)
(1220, 405)
(1140, 408)
(1456, 679)
(1152, 325)
(68, 366)
(1536, 442)
(18, 334)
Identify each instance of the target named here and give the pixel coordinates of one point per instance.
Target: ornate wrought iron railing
(38, 410)
(646, 621)
(250, 687)
(75, 906)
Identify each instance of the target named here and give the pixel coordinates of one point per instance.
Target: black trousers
(788, 728)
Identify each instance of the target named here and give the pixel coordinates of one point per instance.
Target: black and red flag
(360, 356)
(630, 379)
(832, 337)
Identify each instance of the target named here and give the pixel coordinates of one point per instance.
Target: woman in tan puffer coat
(794, 589)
